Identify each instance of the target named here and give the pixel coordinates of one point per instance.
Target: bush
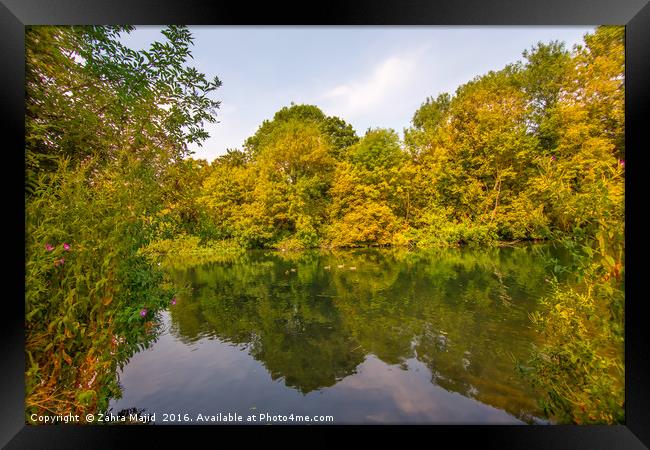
(580, 364)
(437, 229)
(366, 224)
(90, 301)
(186, 251)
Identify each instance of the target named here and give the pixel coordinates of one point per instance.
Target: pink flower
(143, 312)
(173, 302)
(553, 158)
(59, 262)
(48, 247)
(621, 162)
(66, 246)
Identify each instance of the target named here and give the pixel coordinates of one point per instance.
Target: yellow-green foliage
(580, 365)
(370, 223)
(532, 151)
(96, 161)
(186, 250)
(86, 288)
(516, 154)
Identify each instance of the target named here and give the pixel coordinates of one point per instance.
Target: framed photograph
(386, 214)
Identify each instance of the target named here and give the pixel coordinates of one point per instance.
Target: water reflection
(365, 335)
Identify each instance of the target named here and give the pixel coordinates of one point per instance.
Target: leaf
(66, 357)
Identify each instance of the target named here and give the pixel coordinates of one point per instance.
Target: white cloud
(337, 91)
(363, 95)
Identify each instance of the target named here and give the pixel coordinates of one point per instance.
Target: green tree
(88, 94)
(544, 77)
(488, 155)
(366, 195)
(580, 365)
(106, 126)
(339, 133)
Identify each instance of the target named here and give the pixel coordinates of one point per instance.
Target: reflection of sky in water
(405, 337)
(209, 377)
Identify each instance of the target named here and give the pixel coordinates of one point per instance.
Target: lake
(367, 336)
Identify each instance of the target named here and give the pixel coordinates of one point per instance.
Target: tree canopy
(535, 150)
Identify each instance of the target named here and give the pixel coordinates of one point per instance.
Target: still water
(366, 336)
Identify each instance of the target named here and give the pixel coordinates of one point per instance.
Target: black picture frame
(634, 14)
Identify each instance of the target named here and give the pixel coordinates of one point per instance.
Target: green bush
(438, 229)
(90, 301)
(579, 365)
(186, 251)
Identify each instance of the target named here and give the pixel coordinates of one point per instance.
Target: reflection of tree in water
(287, 323)
(311, 318)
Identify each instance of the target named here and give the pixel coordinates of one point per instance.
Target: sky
(368, 76)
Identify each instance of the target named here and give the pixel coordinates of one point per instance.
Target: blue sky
(368, 76)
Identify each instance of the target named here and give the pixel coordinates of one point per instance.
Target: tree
(339, 133)
(488, 152)
(579, 365)
(90, 95)
(544, 78)
(583, 182)
(106, 127)
(366, 192)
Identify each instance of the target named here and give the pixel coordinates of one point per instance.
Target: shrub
(579, 365)
(90, 300)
